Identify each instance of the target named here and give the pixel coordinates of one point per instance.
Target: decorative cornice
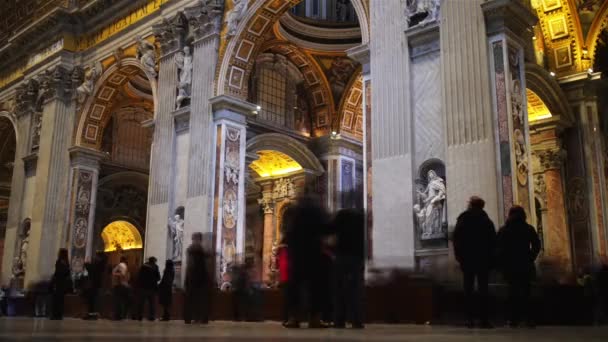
(233, 104)
(508, 16)
(360, 54)
(83, 156)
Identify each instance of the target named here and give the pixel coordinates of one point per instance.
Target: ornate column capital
(205, 19)
(25, 97)
(55, 83)
(267, 204)
(170, 34)
(552, 159)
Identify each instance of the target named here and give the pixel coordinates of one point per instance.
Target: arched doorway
(113, 129)
(281, 168)
(8, 144)
(122, 239)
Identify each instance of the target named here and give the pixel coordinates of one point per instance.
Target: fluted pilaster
(162, 147)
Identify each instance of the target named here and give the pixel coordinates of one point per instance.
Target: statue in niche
(234, 17)
(91, 73)
(176, 229)
(421, 12)
(146, 53)
(20, 261)
(430, 213)
(184, 64)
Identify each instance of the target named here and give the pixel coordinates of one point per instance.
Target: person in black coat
(474, 248)
(307, 222)
(518, 247)
(147, 284)
(349, 225)
(165, 290)
(95, 271)
(61, 284)
(197, 284)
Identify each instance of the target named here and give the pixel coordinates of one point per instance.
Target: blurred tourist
(349, 225)
(197, 284)
(305, 227)
(474, 248)
(61, 284)
(518, 247)
(121, 289)
(95, 272)
(147, 284)
(165, 290)
(40, 292)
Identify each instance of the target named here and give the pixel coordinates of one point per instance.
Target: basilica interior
(126, 126)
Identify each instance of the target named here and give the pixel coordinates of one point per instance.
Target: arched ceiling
(568, 32)
(537, 110)
(121, 235)
(274, 163)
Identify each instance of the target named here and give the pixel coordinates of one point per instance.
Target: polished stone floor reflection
(27, 329)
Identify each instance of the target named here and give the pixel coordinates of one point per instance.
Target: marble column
(230, 119)
(508, 28)
(161, 177)
(267, 204)
(393, 234)
(52, 172)
(84, 175)
(199, 198)
(557, 243)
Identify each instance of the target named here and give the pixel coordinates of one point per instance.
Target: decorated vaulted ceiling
(567, 34)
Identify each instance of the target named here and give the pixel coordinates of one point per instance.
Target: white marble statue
(184, 64)
(430, 209)
(91, 73)
(176, 228)
(417, 7)
(234, 17)
(146, 52)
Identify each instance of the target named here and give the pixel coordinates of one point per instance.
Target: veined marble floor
(29, 329)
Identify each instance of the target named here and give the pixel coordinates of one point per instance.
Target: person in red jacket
(283, 266)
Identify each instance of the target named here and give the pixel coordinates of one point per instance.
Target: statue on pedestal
(184, 64)
(176, 229)
(430, 213)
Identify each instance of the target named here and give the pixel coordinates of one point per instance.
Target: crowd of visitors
(320, 259)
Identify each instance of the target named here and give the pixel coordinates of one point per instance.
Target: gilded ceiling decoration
(121, 235)
(274, 163)
(537, 110)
